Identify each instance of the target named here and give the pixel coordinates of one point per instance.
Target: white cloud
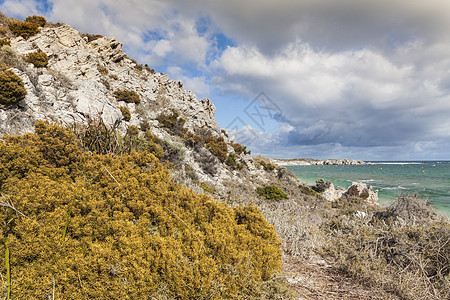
(348, 75)
(19, 8)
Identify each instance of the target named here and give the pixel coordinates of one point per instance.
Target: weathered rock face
(80, 79)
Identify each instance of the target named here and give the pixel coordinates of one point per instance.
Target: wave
(399, 163)
(394, 188)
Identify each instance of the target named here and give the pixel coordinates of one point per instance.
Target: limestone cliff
(79, 83)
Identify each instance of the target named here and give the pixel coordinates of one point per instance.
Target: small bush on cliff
(12, 89)
(126, 114)
(24, 29)
(39, 20)
(127, 96)
(173, 122)
(272, 192)
(85, 225)
(5, 41)
(39, 59)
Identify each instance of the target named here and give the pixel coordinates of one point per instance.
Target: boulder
(360, 190)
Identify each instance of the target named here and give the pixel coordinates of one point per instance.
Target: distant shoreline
(318, 162)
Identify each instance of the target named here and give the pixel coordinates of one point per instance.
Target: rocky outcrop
(316, 162)
(80, 80)
(356, 190)
(360, 190)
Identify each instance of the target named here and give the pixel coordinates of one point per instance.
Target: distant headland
(317, 162)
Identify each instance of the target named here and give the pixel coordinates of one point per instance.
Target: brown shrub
(127, 96)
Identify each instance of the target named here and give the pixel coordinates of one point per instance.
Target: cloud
(356, 98)
(367, 77)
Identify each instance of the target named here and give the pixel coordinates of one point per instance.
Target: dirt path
(316, 279)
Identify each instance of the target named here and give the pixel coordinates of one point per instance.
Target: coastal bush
(265, 163)
(24, 29)
(239, 149)
(217, 146)
(91, 37)
(39, 59)
(12, 89)
(39, 20)
(127, 96)
(86, 225)
(173, 122)
(5, 41)
(409, 259)
(271, 192)
(126, 114)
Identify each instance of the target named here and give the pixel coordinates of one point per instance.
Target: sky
(360, 79)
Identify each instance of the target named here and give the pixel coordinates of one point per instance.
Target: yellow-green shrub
(12, 89)
(126, 114)
(132, 233)
(24, 29)
(39, 20)
(38, 59)
(127, 96)
(5, 41)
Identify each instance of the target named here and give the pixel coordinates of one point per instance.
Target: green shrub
(39, 20)
(24, 29)
(39, 59)
(231, 161)
(5, 41)
(127, 96)
(129, 231)
(126, 114)
(12, 89)
(272, 192)
(173, 122)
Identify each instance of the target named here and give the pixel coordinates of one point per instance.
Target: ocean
(430, 179)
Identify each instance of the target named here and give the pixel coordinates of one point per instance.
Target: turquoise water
(431, 179)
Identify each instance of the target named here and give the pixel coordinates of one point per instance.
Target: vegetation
(127, 96)
(239, 149)
(409, 258)
(5, 41)
(272, 192)
(126, 114)
(87, 225)
(39, 20)
(39, 59)
(12, 89)
(91, 37)
(265, 163)
(24, 29)
(173, 122)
